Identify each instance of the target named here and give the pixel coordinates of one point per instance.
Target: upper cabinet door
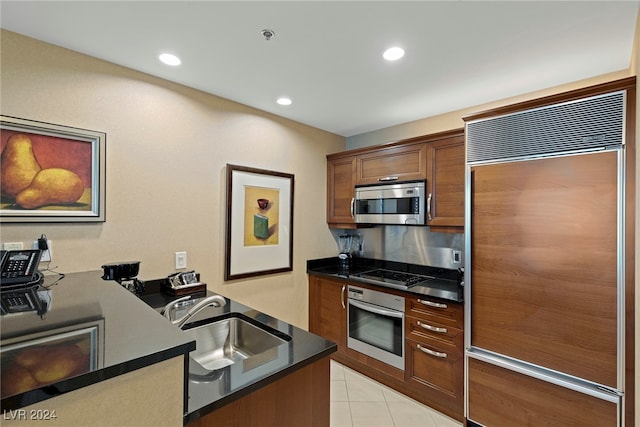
(387, 165)
(445, 182)
(341, 177)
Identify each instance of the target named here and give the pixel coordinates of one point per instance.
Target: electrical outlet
(457, 257)
(181, 260)
(47, 254)
(13, 246)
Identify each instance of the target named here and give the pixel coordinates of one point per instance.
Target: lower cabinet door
(438, 371)
(500, 397)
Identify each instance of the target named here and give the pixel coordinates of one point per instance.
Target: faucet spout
(210, 301)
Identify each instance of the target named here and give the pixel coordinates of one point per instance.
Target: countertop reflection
(97, 324)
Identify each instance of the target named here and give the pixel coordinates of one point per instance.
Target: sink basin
(222, 342)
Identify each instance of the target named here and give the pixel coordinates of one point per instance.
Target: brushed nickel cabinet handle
(432, 304)
(388, 178)
(431, 352)
(429, 207)
(432, 328)
(342, 297)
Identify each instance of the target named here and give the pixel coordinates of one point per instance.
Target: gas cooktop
(392, 279)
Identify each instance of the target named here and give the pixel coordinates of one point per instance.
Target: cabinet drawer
(438, 367)
(500, 397)
(428, 332)
(400, 163)
(431, 310)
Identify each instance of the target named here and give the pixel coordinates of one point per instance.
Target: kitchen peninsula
(128, 355)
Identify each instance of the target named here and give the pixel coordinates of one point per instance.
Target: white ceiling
(327, 55)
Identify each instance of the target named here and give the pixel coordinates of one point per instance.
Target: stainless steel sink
(223, 342)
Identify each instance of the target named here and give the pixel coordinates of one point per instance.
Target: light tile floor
(358, 401)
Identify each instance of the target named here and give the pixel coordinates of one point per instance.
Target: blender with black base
(344, 257)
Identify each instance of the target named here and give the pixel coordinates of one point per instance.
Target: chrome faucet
(210, 301)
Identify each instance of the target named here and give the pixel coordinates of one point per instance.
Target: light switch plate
(181, 260)
(12, 246)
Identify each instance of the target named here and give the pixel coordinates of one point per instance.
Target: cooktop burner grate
(397, 278)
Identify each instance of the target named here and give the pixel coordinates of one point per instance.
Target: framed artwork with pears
(51, 173)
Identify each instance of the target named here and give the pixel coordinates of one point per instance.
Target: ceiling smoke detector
(267, 34)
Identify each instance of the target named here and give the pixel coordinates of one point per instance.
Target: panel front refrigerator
(544, 300)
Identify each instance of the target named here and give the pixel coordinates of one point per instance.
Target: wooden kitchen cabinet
(300, 398)
(405, 162)
(341, 179)
(434, 343)
(500, 397)
(328, 312)
(445, 180)
(438, 158)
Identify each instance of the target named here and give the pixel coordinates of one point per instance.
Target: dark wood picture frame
(259, 228)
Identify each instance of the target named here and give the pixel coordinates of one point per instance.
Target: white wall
(454, 119)
(167, 147)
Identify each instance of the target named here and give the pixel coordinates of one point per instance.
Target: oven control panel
(356, 293)
(383, 299)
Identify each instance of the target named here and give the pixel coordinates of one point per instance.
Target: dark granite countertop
(211, 390)
(103, 328)
(444, 289)
(119, 332)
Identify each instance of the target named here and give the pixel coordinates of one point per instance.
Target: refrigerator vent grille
(578, 125)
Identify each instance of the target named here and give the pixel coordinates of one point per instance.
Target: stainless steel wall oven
(375, 325)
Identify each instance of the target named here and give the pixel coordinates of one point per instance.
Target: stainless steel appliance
(392, 279)
(545, 266)
(400, 203)
(375, 325)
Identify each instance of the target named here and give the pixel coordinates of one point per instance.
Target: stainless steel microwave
(400, 203)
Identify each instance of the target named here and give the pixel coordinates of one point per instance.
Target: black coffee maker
(124, 273)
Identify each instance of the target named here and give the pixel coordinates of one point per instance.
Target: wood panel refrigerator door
(544, 263)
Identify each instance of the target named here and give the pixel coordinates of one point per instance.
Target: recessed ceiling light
(393, 53)
(169, 59)
(283, 100)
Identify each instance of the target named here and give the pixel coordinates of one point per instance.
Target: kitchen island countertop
(129, 333)
(115, 332)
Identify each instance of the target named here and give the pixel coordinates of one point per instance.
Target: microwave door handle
(376, 310)
(353, 212)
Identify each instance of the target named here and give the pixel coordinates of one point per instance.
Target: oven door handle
(376, 310)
